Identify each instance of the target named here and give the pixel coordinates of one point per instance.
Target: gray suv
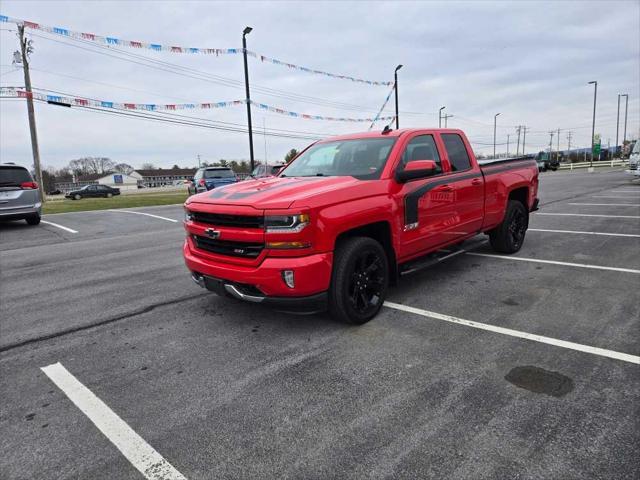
(19, 195)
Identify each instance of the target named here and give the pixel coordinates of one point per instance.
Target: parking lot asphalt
(222, 389)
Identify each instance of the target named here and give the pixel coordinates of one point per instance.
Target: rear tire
(109, 195)
(33, 219)
(508, 237)
(359, 280)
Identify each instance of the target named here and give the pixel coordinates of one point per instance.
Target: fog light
(287, 276)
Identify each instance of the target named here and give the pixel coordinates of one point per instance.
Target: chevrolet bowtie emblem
(211, 233)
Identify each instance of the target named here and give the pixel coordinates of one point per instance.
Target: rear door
(12, 195)
(466, 185)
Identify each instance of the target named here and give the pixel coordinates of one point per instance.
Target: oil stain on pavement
(539, 380)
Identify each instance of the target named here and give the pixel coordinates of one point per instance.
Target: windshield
(636, 147)
(362, 158)
(219, 173)
(14, 175)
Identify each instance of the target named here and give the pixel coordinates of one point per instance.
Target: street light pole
(395, 87)
(495, 119)
(246, 31)
(440, 117)
(626, 108)
(593, 123)
(618, 123)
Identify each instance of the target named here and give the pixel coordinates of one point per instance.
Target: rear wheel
(33, 219)
(359, 280)
(109, 195)
(508, 237)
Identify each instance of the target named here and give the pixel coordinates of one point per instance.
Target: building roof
(167, 172)
(90, 177)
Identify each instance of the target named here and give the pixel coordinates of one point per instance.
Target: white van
(634, 160)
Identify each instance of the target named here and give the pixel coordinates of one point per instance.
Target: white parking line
(585, 215)
(614, 196)
(553, 262)
(141, 455)
(625, 357)
(584, 233)
(143, 213)
(608, 204)
(61, 227)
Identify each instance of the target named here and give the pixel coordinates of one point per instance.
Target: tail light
(29, 185)
(202, 183)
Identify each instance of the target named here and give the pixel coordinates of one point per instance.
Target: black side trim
(412, 199)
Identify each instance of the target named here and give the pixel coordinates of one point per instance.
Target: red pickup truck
(349, 214)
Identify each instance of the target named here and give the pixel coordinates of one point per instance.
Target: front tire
(508, 237)
(359, 281)
(33, 219)
(77, 196)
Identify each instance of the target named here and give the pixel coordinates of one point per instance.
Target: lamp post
(593, 123)
(626, 109)
(395, 87)
(246, 31)
(440, 117)
(618, 123)
(495, 120)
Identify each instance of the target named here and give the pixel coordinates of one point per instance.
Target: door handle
(476, 181)
(444, 188)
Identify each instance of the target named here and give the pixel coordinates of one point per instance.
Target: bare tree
(123, 168)
(148, 166)
(88, 165)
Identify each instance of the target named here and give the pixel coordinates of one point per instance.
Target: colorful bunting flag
(113, 41)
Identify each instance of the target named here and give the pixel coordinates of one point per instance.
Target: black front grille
(227, 247)
(225, 220)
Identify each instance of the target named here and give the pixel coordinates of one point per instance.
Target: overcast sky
(530, 61)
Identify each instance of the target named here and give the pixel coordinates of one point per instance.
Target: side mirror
(416, 169)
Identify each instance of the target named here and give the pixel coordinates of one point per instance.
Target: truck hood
(276, 192)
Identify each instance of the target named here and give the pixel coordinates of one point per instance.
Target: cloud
(531, 61)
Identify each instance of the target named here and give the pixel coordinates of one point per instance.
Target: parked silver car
(19, 195)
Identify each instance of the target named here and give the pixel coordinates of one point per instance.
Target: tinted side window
(458, 156)
(422, 147)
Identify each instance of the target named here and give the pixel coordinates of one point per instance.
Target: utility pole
(524, 137)
(508, 145)
(552, 133)
(198, 160)
(25, 50)
(395, 87)
(558, 149)
(440, 117)
(569, 134)
(446, 117)
(495, 119)
(518, 128)
(245, 32)
(593, 124)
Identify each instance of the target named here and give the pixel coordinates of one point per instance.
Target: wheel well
(381, 232)
(521, 195)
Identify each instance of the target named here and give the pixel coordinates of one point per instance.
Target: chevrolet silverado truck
(349, 215)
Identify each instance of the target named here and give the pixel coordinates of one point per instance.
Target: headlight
(286, 223)
(188, 217)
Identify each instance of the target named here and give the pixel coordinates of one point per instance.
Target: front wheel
(359, 280)
(508, 237)
(77, 196)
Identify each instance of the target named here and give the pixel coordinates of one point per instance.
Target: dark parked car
(19, 195)
(209, 178)
(545, 163)
(89, 191)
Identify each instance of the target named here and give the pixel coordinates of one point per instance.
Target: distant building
(160, 177)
